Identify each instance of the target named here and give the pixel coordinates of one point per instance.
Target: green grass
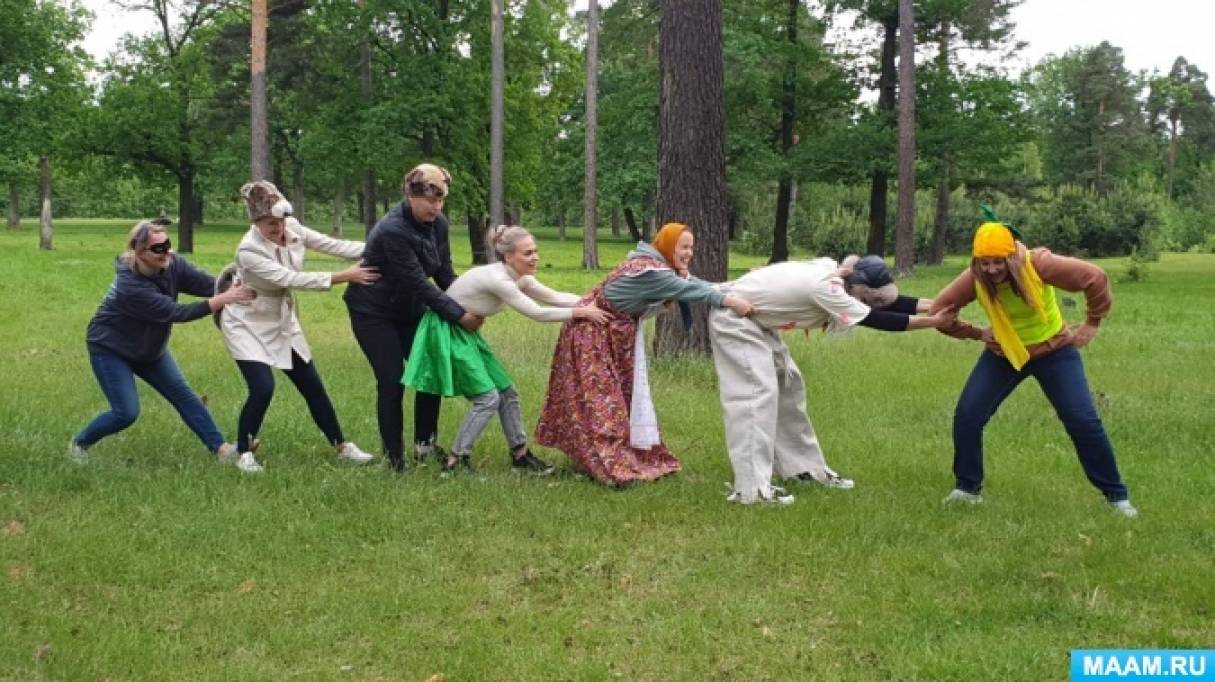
(155, 562)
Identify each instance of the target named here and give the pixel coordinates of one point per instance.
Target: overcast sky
(1151, 33)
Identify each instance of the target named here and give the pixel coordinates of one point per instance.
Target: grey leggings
(506, 404)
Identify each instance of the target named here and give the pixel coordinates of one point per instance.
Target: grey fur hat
(263, 199)
(870, 281)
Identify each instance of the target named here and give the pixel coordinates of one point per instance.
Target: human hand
(590, 312)
(944, 317)
(471, 322)
(359, 274)
(987, 336)
(238, 294)
(741, 306)
(1083, 334)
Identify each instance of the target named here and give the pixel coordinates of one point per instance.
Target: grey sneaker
(773, 495)
(77, 453)
(958, 495)
(1125, 508)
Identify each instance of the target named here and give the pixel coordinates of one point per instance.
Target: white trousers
(763, 401)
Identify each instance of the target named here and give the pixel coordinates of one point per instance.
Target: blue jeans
(117, 378)
(1061, 376)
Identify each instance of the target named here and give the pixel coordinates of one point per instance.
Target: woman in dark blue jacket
(128, 335)
(410, 248)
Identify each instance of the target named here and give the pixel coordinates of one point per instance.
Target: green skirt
(448, 360)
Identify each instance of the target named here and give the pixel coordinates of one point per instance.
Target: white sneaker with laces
(773, 495)
(834, 480)
(351, 453)
(248, 464)
(77, 453)
(958, 495)
(1125, 508)
(227, 453)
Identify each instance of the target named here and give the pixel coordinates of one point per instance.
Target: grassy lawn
(155, 562)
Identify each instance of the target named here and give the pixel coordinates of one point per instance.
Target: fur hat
(263, 199)
(426, 180)
(869, 280)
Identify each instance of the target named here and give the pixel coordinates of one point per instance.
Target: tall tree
(590, 199)
(260, 138)
(497, 114)
(788, 114)
(904, 237)
(691, 148)
(368, 195)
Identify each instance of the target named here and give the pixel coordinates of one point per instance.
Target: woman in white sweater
(448, 360)
(267, 333)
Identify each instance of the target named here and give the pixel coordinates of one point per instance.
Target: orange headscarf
(664, 242)
(993, 240)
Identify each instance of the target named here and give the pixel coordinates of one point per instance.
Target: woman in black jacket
(129, 334)
(410, 248)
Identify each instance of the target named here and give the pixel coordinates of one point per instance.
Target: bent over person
(763, 395)
(1028, 338)
(128, 337)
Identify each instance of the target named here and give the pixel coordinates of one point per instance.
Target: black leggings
(259, 377)
(386, 343)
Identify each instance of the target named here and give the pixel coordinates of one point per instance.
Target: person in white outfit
(763, 394)
(267, 333)
(448, 360)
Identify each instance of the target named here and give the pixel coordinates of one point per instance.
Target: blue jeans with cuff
(1061, 376)
(116, 375)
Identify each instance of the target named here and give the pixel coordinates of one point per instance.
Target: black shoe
(450, 462)
(530, 464)
(397, 464)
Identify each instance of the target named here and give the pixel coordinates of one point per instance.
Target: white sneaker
(1125, 508)
(830, 480)
(227, 453)
(773, 495)
(958, 495)
(247, 464)
(351, 453)
(76, 453)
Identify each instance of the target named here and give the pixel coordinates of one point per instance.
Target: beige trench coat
(268, 329)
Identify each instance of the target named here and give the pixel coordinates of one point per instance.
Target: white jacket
(268, 329)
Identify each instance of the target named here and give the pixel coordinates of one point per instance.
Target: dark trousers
(116, 376)
(259, 377)
(386, 343)
(1061, 376)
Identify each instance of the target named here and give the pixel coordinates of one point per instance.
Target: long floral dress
(590, 389)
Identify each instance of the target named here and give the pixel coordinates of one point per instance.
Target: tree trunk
(691, 150)
(886, 95)
(476, 237)
(1172, 157)
(497, 115)
(940, 223)
(904, 233)
(297, 191)
(1099, 181)
(788, 113)
(339, 208)
(14, 205)
(590, 192)
(185, 209)
(46, 228)
(732, 223)
(615, 221)
(516, 215)
(631, 220)
(260, 140)
(367, 202)
(561, 224)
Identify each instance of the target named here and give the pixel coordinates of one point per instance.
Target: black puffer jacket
(409, 254)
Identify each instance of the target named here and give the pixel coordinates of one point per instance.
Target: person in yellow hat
(1028, 337)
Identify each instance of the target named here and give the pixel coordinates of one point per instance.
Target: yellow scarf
(1001, 325)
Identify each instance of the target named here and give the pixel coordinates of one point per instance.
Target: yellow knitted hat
(994, 240)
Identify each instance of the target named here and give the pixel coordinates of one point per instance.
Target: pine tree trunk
(691, 150)
(561, 224)
(260, 141)
(46, 228)
(367, 199)
(904, 234)
(940, 223)
(1172, 158)
(297, 191)
(339, 208)
(631, 220)
(185, 209)
(497, 115)
(477, 229)
(590, 193)
(615, 221)
(788, 113)
(14, 205)
(878, 188)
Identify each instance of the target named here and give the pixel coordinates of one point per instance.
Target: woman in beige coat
(267, 333)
